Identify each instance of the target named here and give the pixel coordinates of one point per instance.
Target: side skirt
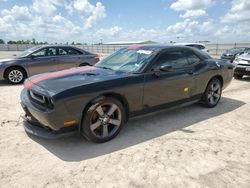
(169, 106)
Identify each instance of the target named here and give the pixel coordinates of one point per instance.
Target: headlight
(236, 61)
(41, 99)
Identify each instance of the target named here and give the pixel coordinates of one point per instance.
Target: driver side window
(176, 59)
(45, 52)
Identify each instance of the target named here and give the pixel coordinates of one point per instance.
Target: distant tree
(33, 41)
(73, 43)
(78, 43)
(2, 41)
(11, 42)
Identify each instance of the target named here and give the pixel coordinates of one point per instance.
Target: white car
(242, 63)
(199, 46)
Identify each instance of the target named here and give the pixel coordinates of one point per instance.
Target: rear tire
(15, 75)
(103, 120)
(212, 94)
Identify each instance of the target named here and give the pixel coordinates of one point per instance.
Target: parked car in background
(40, 59)
(198, 46)
(97, 101)
(233, 52)
(242, 63)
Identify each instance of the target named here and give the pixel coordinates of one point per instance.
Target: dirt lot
(188, 147)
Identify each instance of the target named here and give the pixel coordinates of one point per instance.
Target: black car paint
(139, 92)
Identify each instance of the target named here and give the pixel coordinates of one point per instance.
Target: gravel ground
(188, 147)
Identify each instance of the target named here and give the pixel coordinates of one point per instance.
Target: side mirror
(166, 68)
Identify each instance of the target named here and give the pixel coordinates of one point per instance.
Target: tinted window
(192, 58)
(176, 59)
(200, 47)
(45, 52)
(68, 51)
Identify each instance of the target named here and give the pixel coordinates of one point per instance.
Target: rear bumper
(43, 132)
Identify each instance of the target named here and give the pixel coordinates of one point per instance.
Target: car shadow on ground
(245, 78)
(138, 130)
(4, 83)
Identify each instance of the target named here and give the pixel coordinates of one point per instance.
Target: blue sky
(125, 20)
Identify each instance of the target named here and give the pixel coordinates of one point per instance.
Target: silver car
(40, 59)
(242, 63)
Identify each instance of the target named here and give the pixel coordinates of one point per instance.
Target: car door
(68, 57)
(162, 87)
(42, 60)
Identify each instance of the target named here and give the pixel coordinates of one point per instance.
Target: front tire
(15, 75)
(212, 95)
(103, 120)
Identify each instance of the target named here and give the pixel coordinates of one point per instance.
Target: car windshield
(247, 51)
(127, 59)
(236, 50)
(29, 51)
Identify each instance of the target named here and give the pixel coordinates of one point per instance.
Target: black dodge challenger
(97, 100)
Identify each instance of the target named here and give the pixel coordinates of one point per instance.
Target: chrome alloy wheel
(15, 76)
(214, 93)
(105, 120)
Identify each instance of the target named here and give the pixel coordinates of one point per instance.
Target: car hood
(245, 56)
(56, 82)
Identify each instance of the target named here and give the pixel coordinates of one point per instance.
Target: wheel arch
(14, 66)
(219, 77)
(117, 96)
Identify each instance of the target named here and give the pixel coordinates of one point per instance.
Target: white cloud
(239, 12)
(46, 7)
(192, 28)
(90, 14)
(192, 8)
(110, 32)
(193, 13)
(42, 20)
(21, 13)
(190, 4)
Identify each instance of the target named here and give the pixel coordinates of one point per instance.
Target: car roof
(42, 46)
(156, 47)
(187, 43)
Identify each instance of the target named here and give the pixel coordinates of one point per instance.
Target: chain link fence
(215, 49)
